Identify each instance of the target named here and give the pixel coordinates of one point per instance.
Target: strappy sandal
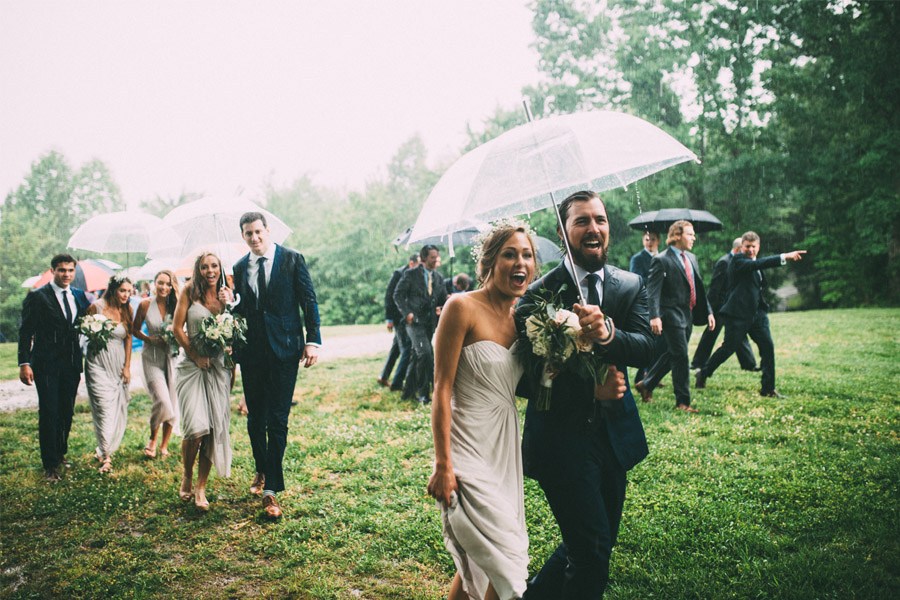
(150, 452)
(106, 467)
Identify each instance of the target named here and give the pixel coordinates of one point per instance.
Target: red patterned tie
(690, 278)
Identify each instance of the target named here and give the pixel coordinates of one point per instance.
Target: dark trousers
(400, 348)
(56, 405)
(268, 391)
(659, 347)
(587, 505)
(708, 341)
(421, 367)
(675, 358)
(735, 331)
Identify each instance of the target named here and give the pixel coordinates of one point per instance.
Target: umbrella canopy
(514, 173)
(213, 224)
(547, 250)
(91, 274)
(660, 220)
(125, 231)
(227, 253)
(461, 237)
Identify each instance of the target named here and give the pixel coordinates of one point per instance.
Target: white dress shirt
(580, 275)
(69, 297)
(253, 268)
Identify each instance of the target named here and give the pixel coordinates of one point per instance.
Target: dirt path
(15, 395)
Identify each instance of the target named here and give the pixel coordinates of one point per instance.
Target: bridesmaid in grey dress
(158, 362)
(203, 384)
(108, 372)
(477, 478)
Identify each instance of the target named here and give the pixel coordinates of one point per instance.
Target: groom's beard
(592, 262)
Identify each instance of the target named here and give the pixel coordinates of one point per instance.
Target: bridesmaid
(108, 371)
(157, 360)
(203, 383)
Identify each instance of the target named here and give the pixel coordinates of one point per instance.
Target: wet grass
(753, 498)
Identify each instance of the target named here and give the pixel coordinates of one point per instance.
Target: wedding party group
(267, 321)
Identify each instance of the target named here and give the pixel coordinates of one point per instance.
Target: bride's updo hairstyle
(488, 247)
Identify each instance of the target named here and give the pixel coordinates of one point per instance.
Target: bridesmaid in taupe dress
(158, 361)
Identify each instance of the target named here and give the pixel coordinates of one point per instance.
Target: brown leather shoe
(259, 483)
(383, 382)
(646, 395)
(686, 408)
(270, 505)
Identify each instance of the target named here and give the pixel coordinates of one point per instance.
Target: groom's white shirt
(253, 267)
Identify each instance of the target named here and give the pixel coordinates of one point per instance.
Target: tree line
(791, 106)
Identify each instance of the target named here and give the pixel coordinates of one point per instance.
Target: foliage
(751, 498)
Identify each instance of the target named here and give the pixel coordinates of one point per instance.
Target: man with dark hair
(50, 358)
(746, 311)
(640, 262)
(581, 448)
(420, 294)
(718, 291)
(676, 294)
(400, 347)
(274, 286)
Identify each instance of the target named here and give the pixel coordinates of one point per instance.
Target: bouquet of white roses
(97, 329)
(553, 342)
(168, 336)
(223, 332)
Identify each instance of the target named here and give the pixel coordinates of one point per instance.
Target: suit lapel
(274, 277)
(50, 297)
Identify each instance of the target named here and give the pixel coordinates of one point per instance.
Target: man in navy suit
(640, 262)
(718, 293)
(274, 287)
(50, 358)
(400, 348)
(581, 448)
(746, 311)
(677, 301)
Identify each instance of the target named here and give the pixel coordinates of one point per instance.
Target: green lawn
(753, 498)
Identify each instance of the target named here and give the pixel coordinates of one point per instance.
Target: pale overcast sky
(217, 97)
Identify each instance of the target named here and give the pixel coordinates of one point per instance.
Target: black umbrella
(660, 220)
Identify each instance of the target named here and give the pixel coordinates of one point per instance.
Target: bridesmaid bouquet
(553, 342)
(223, 332)
(168, 335)
(97, 329)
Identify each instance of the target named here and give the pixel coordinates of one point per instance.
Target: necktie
(429, 278)
(690, 278)
(66, 306)
(261, 281)
(593, 295)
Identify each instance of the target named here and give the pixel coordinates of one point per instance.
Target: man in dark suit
(400, 347)
(640, 262)
(677, 301)
(50, 358)
(718, 292)
(420, 294)
(580, 449)
(746, 311)
(274, 287)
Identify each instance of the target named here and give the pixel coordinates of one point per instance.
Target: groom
(274, 286)
(580, 449)
(50, 358)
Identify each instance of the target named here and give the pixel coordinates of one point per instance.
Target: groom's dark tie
(68, 308)
(593, 295)
(261, 281)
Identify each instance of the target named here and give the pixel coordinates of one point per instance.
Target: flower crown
(119, 278)
(478, 242)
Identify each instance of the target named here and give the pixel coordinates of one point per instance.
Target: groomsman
(274, 287)
(746, 312)
(50, 358)
(675, 291)
(640, 262)
(400, 348)
(420, 294)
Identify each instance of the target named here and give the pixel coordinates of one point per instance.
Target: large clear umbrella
(519, 171)
(124, 231)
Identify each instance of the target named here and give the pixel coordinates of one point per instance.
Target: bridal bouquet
(97, 329)
(223, 332)
(168, 336)
(553, 343)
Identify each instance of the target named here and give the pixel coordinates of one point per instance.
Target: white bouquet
(223, 332)
(97, 329)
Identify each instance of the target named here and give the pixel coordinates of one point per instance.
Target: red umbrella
(90, 275)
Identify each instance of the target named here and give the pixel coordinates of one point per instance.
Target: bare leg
(456, 591)
(167, 434)
(490, 594)
(202, 476)
(189, 449)
(150, 448)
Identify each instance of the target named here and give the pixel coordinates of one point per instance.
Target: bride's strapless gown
(203, 399)
(484, 528)
(107, 391)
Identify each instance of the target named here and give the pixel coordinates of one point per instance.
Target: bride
(477, 478)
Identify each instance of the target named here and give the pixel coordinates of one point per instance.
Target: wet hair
(413, 258)
(198, 282)
(492, 245)
(172, 300)
(652, 234)
(582, 196)
(61, 258)
(462, 282)
(676, 229)
(737, 243)
(750, 236)
(112, 299)
(426, 250)
(249, 217)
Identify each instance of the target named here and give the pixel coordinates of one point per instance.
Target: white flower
(583, 344)
(533, 327)
(539, 346)
(100, 317)
(567, 317)
(95, 326)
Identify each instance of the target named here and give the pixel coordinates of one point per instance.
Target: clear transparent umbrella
(124, 231)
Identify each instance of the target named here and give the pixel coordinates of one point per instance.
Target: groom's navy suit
(270, 361)
(49, 343)
(579, 451)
